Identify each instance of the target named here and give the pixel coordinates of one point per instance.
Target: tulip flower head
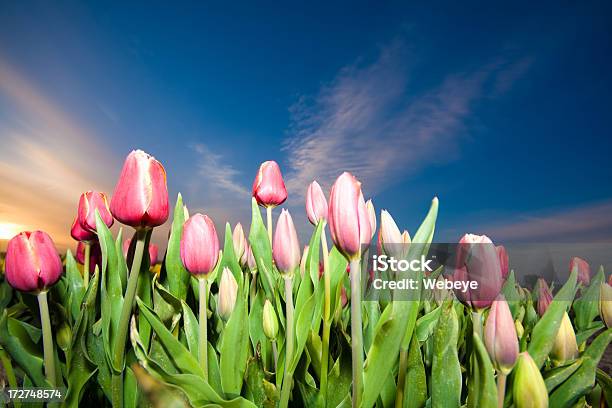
(477, 260)
(247, 259)
(545, 296)
(503, 260)
(228, 290)
(316, 203)
(88, 204)
(95, 255)
(528, 389)
(79, 233)
(605, 304)
(565, 347)
(199, 245)
(239, 240)
(270, 321)
(268, 187)
(349, 222)
(584, 270)
(286, 246)
(500, 336)
(371, 217)
(32, 262)
(153, 251)
(140, 199)
(394, 242)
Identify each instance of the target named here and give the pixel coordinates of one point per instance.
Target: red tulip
(545, 296)
(477, 261)
(95, 255)
(199, 245)
(503, 260)
(153, 251)
(500, 336)
(78, 233)
(286, 247)
(141, 195)
(88, 204)
(32, 262)
(316, 203)
(268, 187)
(349, 222)
(584, 270)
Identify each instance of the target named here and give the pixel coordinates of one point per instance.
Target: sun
(8, 230)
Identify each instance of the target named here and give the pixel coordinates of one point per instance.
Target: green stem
(253, 289)
(288, 377)
(124, 319)
(45, 320)
(203, 340)
(401, 378)
(477, 322)
(275, 353)
(86, 264)
(10, 374)
(269, 217)
(356, 333)
(326, 316)
(501, 389)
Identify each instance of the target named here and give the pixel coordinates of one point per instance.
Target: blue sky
(503, 111)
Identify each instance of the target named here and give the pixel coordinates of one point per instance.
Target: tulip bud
(88, 204)
(228, 289)
(500, 336)
(303, 260)
(394, 243)
(348, 217)
(32, 262)
(503, 260)
(141, 195)
(605, 304)
(371, 217)
(64, 337)
(584, 270)
(239, 241)
(544, 296)
(610, 280)
(248, 259)
(565, 347)
(95, 255)
(270, 322)
(269, 188)
(79, 233)
(153, 251)
(286, 248)
(520, 330)
(529, 389)
(199, 245)
(477, 261)
(316, 203)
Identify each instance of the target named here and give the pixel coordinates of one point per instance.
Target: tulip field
(247, 316)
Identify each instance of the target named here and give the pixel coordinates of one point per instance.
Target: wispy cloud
(373, 121)
(219, 176)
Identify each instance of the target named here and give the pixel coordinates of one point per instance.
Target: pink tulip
(248, 259)
(32, 262)
(584, 270)
(316, 203)
(153, 251)
(88, 204)
(141, 195)
(500, 336)
(199, 245)
(79, 233)
(349, 222)
(503, 260)
(95, 255)
(477, 261)
(268, 187)
(286, 246)
(545, 296)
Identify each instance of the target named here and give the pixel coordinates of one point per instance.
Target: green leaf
(605, 382)
(228, 260)
(415, 389)
(177, 276)
(511, 294)
(191, 328)
(446, 371)
(256, 332)
(426, 324)
(586, 308)
(75, 286)
(545, 331)
(262, 252)
(482, 390)
(234, 347)
(558, 375)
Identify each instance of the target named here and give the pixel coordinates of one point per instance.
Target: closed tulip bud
(286, 247)
(500, 336)
(64, 337)
(199, 245)
(503, 260)
(394, 242)
(528, 389)
(545, 296)
(270, 322)
(88, 204)
(371, 217)
(610, 280)
(583, 268)
(348, 217)
(228, 289)
(95, 255)
(140, 199)
(316, 203)
(565, 347)
(605, 304)
(268, 187)
(239, 241)
(247, 259)
(79, 233)
(153, 251)
(520, 330)
(477, 261)
(32, 262)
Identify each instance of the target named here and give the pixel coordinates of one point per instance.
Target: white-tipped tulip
(228, 289)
